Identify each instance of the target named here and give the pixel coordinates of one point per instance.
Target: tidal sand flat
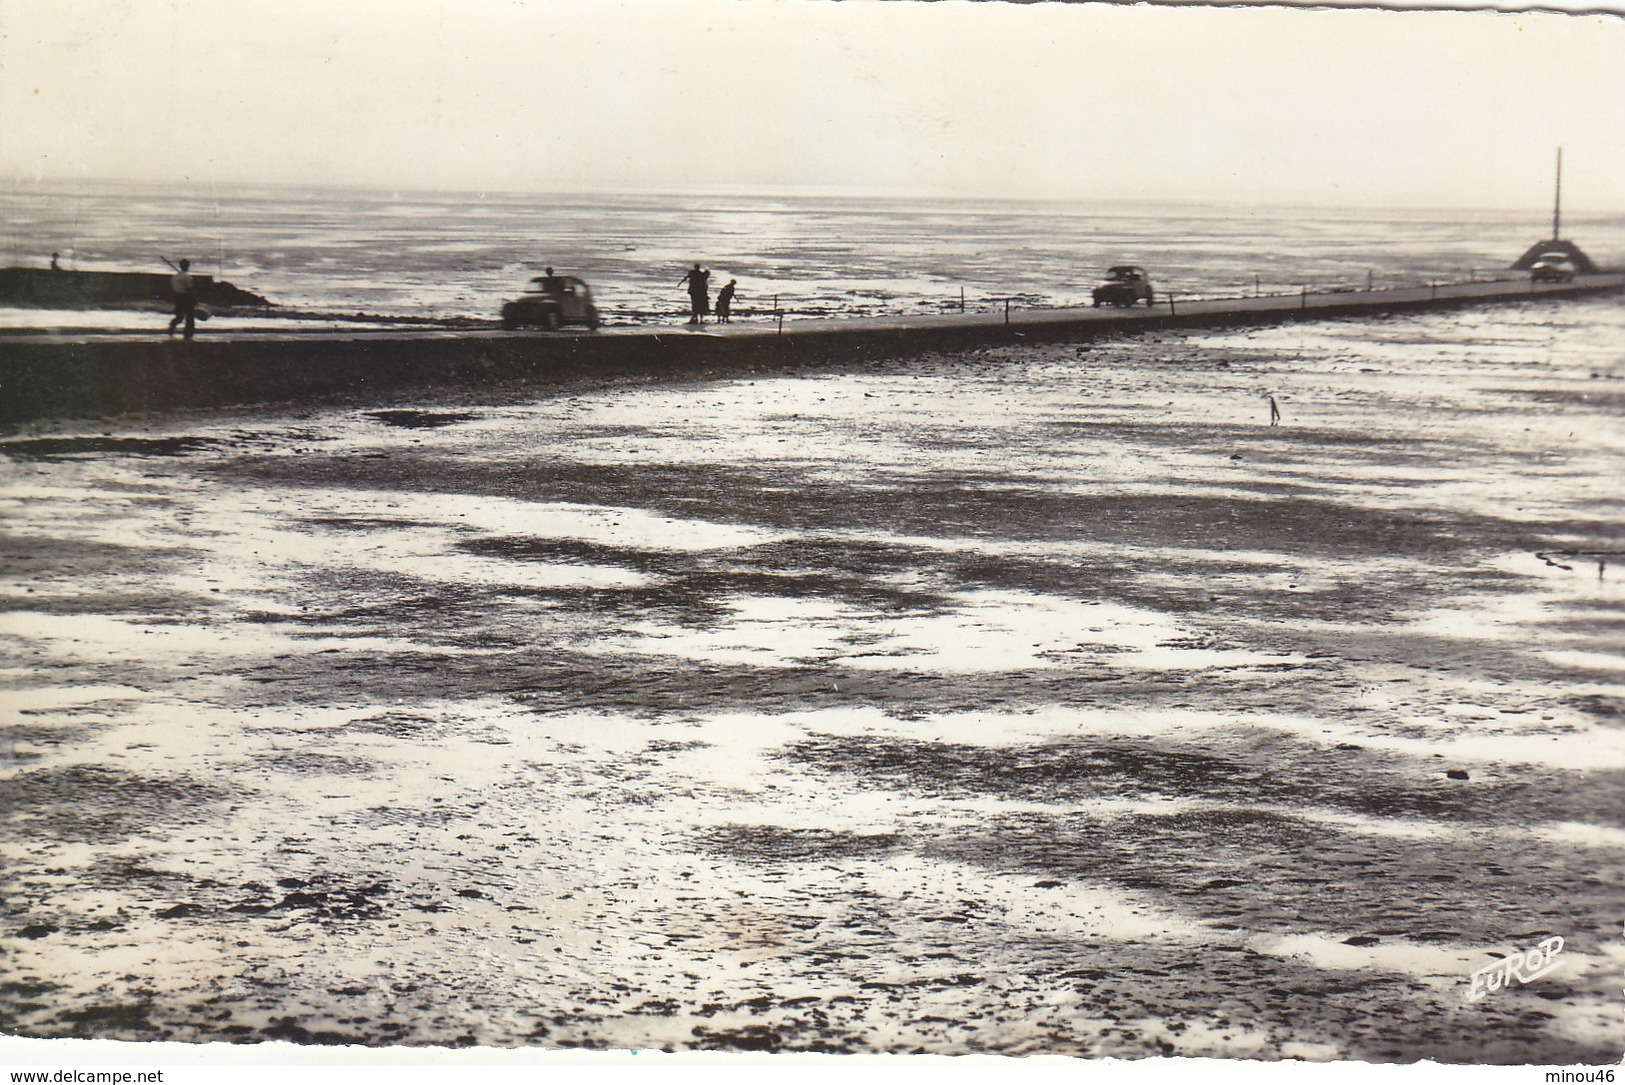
(1023, 700)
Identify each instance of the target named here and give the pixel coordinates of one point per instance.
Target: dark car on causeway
(1124, 285)
(552, 301)
(1550, 271)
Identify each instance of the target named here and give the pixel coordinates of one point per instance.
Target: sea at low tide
(1031, 700)
(460, 254)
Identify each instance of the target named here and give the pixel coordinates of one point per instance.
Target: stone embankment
(89, 374)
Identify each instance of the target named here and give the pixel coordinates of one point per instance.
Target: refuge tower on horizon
(1556, 248)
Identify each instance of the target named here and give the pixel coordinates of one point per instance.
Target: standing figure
(725, 301)
(1275, 412)
(180, 285)
(54, 265)
(699, 292)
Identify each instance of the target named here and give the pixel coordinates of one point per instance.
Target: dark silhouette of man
(54, 265)
(699, 292)
(725, 301)
(181, 285)
(1275, 412)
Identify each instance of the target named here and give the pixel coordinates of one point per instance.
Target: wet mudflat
(1025, 700)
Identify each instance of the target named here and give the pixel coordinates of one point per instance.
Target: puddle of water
(1586, 1020)
(1589, 661)
(1330, 952)
(43, 699)
(93, 637)
(1595, 748)
(1580, 834)
(981, 632)
(508, 517)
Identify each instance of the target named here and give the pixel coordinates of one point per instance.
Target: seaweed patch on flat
(420, 419)
(775, 844)
(92, 803)
(312, 763)
(60, 448)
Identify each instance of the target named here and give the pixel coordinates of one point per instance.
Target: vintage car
(1124, 286)
(551, 301)
(1547, 271)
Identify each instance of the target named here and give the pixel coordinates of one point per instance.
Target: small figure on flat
(185, 293)
(699, 292)
(725, 301)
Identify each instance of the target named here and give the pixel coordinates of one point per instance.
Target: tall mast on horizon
(1557, 205)
(1555, 248)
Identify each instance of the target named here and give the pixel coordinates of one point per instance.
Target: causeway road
(69, 373)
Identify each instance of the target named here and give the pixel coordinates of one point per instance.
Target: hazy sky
(1418, 108)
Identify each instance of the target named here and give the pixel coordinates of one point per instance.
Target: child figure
(725, 300)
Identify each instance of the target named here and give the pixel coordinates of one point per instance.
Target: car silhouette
(552, 301)
(1547, 272)
(1124, 286)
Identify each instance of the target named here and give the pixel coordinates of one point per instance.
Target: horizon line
(790, 190)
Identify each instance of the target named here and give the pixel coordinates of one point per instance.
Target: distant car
(1124, 286)
(1544, 272)
(552, 301)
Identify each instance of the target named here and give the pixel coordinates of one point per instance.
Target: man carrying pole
(185, 293)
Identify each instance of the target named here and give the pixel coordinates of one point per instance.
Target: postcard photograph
(791, 528)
